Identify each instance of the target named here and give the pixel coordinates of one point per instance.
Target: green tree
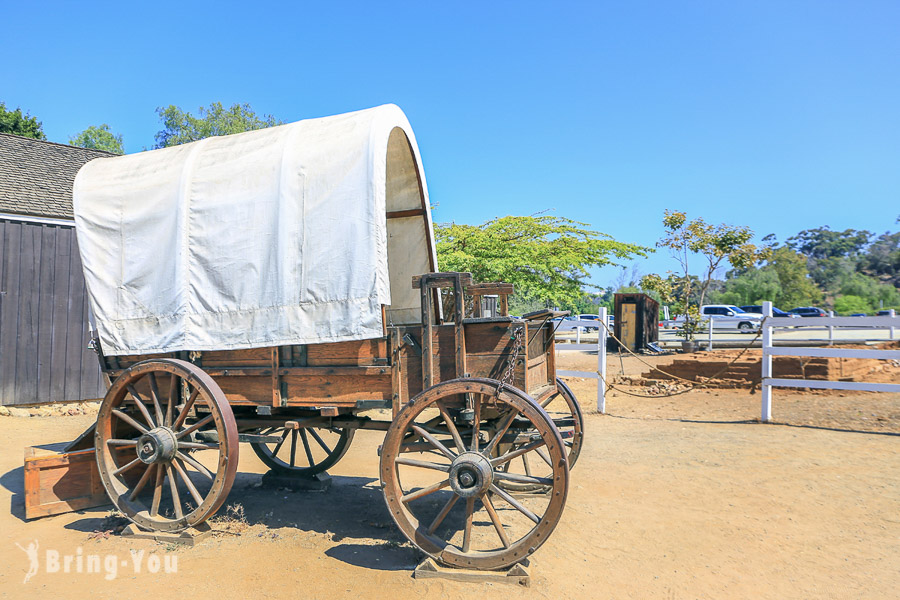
(13, 121)
(846, 305)
(716, 245)
(823, 243)
(98, 138)
(180, 127)
(547, 258)
(750, 287)
(797, 289)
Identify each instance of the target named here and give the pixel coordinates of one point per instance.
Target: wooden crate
(57, 482)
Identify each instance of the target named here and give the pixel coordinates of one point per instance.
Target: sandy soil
(675, 497)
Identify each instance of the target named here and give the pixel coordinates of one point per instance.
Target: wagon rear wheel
(166, 444)
(440, 473)
(566, 413)
(304, 451)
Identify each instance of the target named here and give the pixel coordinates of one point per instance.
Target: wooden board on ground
(189, 537)
(517, 574)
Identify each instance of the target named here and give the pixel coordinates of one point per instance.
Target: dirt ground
(673, 497)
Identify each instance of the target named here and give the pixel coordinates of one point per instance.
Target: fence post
(831, 329)
(709, 343)
(601, 361)
(893, 313)
(578, 335)
(766, 363)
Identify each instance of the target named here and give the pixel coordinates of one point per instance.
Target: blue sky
(781, 116)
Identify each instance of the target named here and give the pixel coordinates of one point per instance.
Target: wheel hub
(157, 445)
(471, 474)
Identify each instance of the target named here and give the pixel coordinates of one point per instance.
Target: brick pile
(745, 371)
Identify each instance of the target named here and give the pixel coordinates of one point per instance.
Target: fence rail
(600, 347)
(829, 323)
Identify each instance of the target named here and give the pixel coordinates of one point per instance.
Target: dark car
(885, 313)
(776, 312)
(809, 311)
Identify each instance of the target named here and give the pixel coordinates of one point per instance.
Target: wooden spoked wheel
(566, 413)
(304, 451)
(440, 473)
(166, 444)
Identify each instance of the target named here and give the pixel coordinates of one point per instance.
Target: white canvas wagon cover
(288, 235)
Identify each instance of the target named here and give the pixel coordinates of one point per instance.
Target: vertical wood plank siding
(43, 317)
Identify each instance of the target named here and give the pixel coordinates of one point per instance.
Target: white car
(729, 316)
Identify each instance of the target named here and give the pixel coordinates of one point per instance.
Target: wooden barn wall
(43, 317)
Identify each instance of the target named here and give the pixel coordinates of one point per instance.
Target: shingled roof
(36, 176)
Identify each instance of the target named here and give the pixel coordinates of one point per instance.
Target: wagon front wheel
(166, 444)
(440, 472)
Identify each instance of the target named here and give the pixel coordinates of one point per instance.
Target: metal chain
(507, 377)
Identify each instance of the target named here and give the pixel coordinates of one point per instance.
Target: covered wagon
(280, 288)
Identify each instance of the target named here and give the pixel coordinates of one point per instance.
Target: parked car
(725, 316)
(589, 318)
(858, 315)
(886, 313)
(776, 312)
(561, 324)
(729, 316)
(809, 311)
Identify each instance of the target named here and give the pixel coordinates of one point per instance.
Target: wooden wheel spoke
(306, 448)
(157, 491)
(201, 423)
(320, 441)
(548, 401)
(467, 532)
(495, 519)
(434, 442)
(278, 445)
(141, 482)
(293, 447)
(476, 423)
(176, 497)
(186, 409)
(119, 442)
(523, 478)
(141, 407)
(188, 483)
(517, 452)
(443, 514)
(515, 503)
(173, 391)
(457, 439)
(421, 493)
(127, 467)
(543, 455)
(154, 395)
(129, 420)
(504, 427)
(411, 462)
(525, 462)
(198, 466)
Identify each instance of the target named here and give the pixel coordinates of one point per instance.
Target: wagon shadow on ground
(351, 515)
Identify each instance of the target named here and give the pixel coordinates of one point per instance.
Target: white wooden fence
(600, 347)
(769, 350)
